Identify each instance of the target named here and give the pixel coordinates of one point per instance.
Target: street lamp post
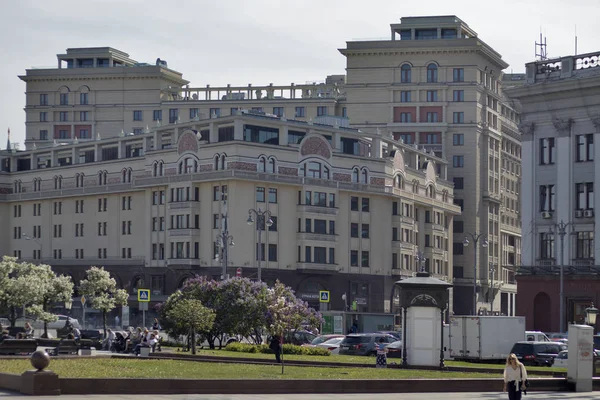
(224, 240)
(562, 231)
(591, 313)
(492, 272)
(475, 238)
(263, 220)
(27, 237)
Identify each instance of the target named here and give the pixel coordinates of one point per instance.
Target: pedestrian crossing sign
(144, 295)
(324, 296)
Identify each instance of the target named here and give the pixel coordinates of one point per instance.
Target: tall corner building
(436, 86)
(560, 102)
(128, 165)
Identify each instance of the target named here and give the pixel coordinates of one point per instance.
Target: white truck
(478, 338)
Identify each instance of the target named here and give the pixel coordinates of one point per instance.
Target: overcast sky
(261, 41)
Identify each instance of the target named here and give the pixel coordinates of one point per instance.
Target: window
(354, 258)
(173, 115)
(157, 115)
(215, 112)
(43, 116)
(63, 116)
(458, 75)
(585, 147)
(57, 231)
(194, 112)
(405, 96)
(431, 95)
(331, 200)
(432, 117)
(354, 230)
(126, 203)
(458, 95)
(405, 74)
(460, 203)
(585, 245)
(314, 169)
(83, 99)
(57, 207)
(278, 111)
(547, 152)
(300, 112)
(354, 203)
(547, 198)
(320, 254)
(365, 204)
(43, 99)
(272, 252)
(57, 254)
(273, 227)
(405, 117)
(459, 183)
(364, 259)
(137, 115)
(458, 117)
(584, 196)
(260, 194)
(458, 139)
(43, 134)
(64, 99)
(458, 248)
(458, 161)
(272, 195)
(458, 226)
(394, 234)
(546, 245)
(432, 73)
(321, 111)
(365, 231)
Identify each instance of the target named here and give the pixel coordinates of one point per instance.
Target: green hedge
(287, 349)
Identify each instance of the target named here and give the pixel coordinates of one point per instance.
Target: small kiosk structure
(423, 300)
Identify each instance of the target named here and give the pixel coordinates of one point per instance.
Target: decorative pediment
(315, 145)
(188, 142)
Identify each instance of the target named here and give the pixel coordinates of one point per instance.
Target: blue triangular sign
(144, 295)
(324, 296)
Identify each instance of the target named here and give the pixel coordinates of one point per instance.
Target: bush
(287, 349)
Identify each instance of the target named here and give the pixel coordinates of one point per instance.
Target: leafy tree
(191, 315)
(102, 291)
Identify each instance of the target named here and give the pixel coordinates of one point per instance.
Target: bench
(96, 337)
(18, 346)
(65, 346)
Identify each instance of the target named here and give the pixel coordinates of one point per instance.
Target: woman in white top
(514, 376)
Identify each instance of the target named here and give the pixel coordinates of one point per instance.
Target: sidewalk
(347, 396)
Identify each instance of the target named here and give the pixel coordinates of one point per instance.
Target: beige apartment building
(151, 207)
(435, 86)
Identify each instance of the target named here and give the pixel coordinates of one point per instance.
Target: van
(536, 336)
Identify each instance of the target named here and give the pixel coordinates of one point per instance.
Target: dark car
(299, 337)
(536, 353)
(394, 349)
(363, 344)
(596, 342)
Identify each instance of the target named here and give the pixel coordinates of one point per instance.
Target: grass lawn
(353, 359)
(148, 368)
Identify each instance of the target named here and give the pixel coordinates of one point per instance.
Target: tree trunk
(104, 321)
(13, 316)
(193, 340)
(44, 307)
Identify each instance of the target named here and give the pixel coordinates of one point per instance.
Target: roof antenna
(543, 55)
(575, 39)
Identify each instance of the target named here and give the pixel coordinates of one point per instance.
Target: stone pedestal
(581, 357)
(40, 383)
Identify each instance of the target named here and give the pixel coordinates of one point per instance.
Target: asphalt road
(347, 396)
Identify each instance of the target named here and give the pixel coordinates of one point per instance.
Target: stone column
(564, 174)
(214, 134)
(528, 208)
(596, 123)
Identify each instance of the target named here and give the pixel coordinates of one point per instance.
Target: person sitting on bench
(149, 343)
(5, 335)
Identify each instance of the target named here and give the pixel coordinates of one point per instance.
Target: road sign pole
(144, 317)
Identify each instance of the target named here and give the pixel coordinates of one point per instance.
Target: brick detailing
(187, 142)
(171, 171)
(342, 177)
(315, 145)
(68, 185)
(242, 166)
(398, 160)
(89, 182)
(205, 167)
(112, 181)
(288, 171)
(377, 181)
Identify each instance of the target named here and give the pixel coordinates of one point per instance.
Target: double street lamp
(475, 237)
(492, 272)
(224, 240)
(27, 237)
(263, 220)
(561, 228)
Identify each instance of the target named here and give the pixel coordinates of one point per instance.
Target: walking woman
(515, 376)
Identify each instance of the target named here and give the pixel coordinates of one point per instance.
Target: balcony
(316, 268)
(320, 237)
(582, 262)
(546, 262)
(183, 232)
(86, 262)
(184, 261)
(317, 210)
(181, 205)
(407, 220)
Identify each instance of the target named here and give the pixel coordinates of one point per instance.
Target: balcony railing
(306, 266)
(86, 262)
(305, 208)
(320, 237)
(179, 205)
(183, 232)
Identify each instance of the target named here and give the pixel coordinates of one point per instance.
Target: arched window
(416, 187)
(364, 176)
(262, 164)
(79, 180)
(432, 73)
(154, 168)
(223, 162)
(405, 72)
(272, 165)
(430, 191)
(58, 182)
(355, 174)
(17, 187)
(399, 182)
(325, 172)
(217, 159)
(180, 167)
(313, 169)
(189, 165)
(102, 177)
(126, 175)
(161, 168)
(37, 184)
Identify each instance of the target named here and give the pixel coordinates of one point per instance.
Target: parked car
(299, 337)
(363, 344)
(597, 342)
(58, 324)
(561, 361)
(537, 353)
(4, 322)
(333, 345)
(396, 334)
(321, 339)
(394, 349)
